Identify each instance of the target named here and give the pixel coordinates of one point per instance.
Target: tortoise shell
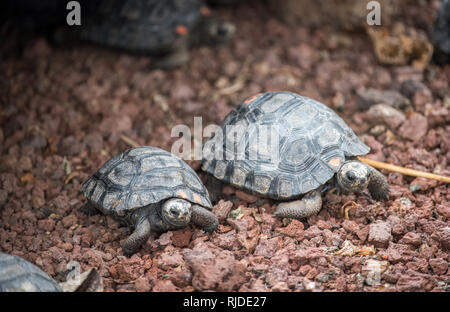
(150, 26)
(142, 176)
(19, 275)
(307, 143)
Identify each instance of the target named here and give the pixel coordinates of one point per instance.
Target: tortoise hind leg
(172, 60)
(310, 204)
(204, 218)
(89, 209)
(137, 238)
(214, 187)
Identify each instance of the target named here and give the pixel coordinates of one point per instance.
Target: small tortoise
(19, 275)
(441, 34)
(162, 28)
(308, 149)
(149, 189)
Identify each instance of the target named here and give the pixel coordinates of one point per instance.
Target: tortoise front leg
(137, 238)
(174, 59)
(378, 186)
(204, 218)
(310, 204)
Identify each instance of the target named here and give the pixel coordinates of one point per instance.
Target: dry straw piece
(405, 171)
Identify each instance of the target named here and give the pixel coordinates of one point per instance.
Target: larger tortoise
(162, 28)
(149, 189)
(19, 275)
(306, 149)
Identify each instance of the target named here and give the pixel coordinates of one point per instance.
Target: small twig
(346, 207)
(129, 141)
(405, 171)
(72, 175)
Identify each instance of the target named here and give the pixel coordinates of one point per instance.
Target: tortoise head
(216, 31)
(177, 212)
(353, 176)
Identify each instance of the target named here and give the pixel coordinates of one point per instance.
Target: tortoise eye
(350, 176)
(173, 211)
(222, 31)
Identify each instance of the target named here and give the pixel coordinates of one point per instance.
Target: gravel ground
(65, 109)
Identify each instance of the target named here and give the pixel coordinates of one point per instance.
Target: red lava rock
(268, 247)
(420, 265)
(321, 224)
(94, 141)
(397, 225)
(227, 240)
(248, 198)
(122, 272)
(255, 285)
(182, 92)
(165, 286)
(330, 238)
(294, 229)
(410, 282)
(170, 259)
(398, 252)
(412, 238)
(142, 285)
(269, 223)
(442, 209)
(240, 225)
(418, 92)
(444, 237)
(182, 238)
(350, 226)
(222, 209)
(369, 97)
(3, 197)
(363, 233)
(213, 270)
(46, 225)
(379, 234)
(312, 231)
(414, 128)
(438, 265)
(385, 114)
(276, 274)
(305, 255)
(304, 269)
(164, 239)
(24, 164)
(312, 273)
(280, 286)
(69, 221)
(67, 246)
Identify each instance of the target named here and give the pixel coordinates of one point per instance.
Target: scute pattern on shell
(313, 143)
(141, 25)
(141, 176)
(17, 274)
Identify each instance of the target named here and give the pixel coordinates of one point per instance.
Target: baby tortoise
(441, 34)
(19, 275)
(148, 189)
(309, 149)
(165, 29)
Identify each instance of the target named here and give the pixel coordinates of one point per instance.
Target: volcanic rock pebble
(379, 234)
